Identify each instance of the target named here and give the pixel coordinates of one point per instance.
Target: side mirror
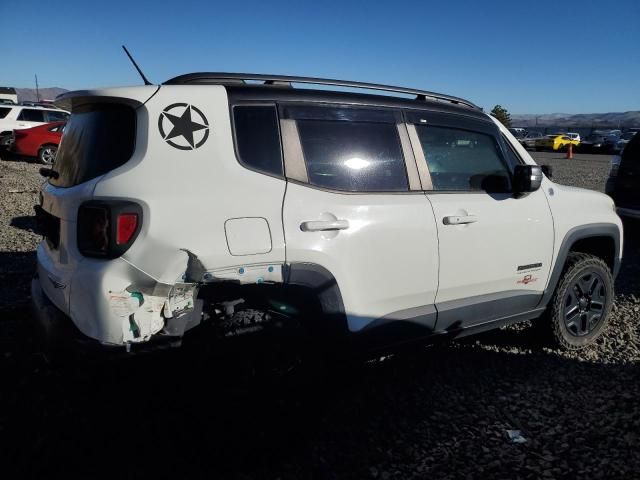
(527, 178)
(547, 170)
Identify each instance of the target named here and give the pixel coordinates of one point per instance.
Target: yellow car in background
(555, 142)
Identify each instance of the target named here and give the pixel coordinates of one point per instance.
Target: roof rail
(220, 78)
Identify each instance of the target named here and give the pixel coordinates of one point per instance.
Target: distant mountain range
(605, 120)
(29, 94)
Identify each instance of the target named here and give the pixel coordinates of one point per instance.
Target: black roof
(279, 81)
(8, 90)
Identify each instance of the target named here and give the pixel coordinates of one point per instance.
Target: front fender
(610, 230)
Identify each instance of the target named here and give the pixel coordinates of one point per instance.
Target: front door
(495, 248)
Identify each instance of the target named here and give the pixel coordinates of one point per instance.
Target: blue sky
(529, 56)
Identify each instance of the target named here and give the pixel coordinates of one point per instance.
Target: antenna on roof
(144, 79)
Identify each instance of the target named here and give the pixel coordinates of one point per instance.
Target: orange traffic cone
(570, 151)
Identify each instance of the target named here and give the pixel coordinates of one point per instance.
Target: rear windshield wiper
(49, 172)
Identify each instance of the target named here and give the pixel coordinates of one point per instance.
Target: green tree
(501, 114)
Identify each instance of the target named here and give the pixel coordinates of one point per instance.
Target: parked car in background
(622, 142)
(17, 117)
(611, 140)
(573, 136)
(529, 139)
(555, 142)
(8, 95)
(594, 142)
(518, 132)
(623, 184)
(41, 142)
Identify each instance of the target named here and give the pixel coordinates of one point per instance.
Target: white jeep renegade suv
(239, 201)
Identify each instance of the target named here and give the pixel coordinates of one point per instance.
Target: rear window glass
(257, 138)
(353, 156)
(97, 139)
(31, 115)
(53, 116)
(4, 112)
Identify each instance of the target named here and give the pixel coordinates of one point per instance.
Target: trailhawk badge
(183, 126)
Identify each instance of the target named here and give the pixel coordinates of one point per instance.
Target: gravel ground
(439, 412)
(19, 186)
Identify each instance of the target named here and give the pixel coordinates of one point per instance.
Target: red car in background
(41, 141)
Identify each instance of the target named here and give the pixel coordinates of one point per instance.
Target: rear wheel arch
(318, 286)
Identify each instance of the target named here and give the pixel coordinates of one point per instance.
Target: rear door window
(258, 138)
(97, 139)
(348, 149)
(31, 115)
(55, 116)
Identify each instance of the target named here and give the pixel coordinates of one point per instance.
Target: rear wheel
(578, 310)
(47, 154)
(6, 140)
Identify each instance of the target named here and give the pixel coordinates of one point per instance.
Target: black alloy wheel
(584, 304)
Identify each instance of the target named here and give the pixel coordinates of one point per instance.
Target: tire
(47, 154)
(577, 313)
(6, 141)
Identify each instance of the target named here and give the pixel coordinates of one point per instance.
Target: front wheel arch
(599, 239)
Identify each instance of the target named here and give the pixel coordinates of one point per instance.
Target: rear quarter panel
(188, 195)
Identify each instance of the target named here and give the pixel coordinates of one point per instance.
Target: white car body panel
(194, 179)
(384, 262)
(484, 257)
(571, 207)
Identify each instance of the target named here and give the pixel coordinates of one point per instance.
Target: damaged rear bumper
(57, 331)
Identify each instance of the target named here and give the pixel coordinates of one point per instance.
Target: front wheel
(47, 154)
(578, 310)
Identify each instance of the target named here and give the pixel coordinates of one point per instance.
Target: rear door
(495, 248)
(354, 206)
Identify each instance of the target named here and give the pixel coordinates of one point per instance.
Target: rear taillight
(126, 225)
(106, 229)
